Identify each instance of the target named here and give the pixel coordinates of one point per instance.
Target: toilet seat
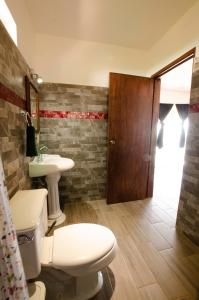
(77, 247)
(81, 244)
(81, 251)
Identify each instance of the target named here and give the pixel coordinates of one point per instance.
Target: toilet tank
(29, 213)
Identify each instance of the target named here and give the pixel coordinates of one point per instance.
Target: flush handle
(24, 239)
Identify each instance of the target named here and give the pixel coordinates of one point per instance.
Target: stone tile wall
(12, 147)
(188, 211)
(12, 126)
(83, 140)
(13, 67)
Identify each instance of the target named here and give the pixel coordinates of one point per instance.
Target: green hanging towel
(31, 149)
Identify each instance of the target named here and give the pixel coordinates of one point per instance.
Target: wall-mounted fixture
(36, 77)
(32, 103)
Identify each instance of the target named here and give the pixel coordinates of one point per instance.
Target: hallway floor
(168, 175)
(153, 262)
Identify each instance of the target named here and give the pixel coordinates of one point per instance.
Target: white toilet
(80, 250)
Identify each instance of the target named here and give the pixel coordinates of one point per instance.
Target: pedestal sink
(51, 166)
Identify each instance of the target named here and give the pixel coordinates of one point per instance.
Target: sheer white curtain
(12, 278)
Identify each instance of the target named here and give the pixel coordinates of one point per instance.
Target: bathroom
(78, 82)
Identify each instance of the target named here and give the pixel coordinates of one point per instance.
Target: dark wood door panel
(130, 123)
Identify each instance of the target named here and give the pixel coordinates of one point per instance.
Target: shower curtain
(12, 278)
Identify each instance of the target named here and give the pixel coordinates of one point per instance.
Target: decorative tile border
(73, 115)
(194, 108)
(9, 96)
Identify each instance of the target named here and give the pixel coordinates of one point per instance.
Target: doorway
(169, 159)
(133, 114)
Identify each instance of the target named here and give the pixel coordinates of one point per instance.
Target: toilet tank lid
(26, 208)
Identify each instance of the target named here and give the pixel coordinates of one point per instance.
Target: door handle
(112, 142)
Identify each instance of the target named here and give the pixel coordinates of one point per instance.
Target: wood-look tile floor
(153, 261)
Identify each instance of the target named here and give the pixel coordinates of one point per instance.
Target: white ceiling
(137, 24)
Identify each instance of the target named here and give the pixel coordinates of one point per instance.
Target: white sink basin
(49, 164)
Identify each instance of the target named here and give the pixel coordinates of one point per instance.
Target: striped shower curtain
(12, 278)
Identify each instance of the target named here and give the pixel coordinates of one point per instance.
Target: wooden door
(132, 118)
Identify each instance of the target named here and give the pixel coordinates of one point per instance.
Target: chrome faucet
(40, 154)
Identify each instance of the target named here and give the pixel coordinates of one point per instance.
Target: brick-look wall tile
(13, 67)
(83, 140)
(12, 126)
(188, 210)
(12, 148)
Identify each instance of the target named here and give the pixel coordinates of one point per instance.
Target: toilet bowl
(80, 250)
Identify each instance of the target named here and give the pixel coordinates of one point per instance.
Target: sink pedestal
(54, 211)
(51, 166)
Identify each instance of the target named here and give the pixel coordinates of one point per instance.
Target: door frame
(178, 61)
(154, 121)
(172, 65)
